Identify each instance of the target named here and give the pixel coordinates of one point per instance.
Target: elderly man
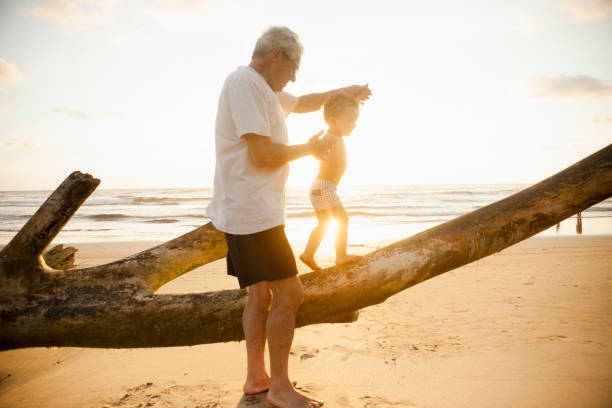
(248, 203)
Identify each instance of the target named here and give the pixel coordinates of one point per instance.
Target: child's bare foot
(346, 259)
(289, 397)
(310, 262)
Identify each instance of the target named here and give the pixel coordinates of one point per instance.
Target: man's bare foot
(310, 262)
(346, 259)
(290, 398)
(258, 386)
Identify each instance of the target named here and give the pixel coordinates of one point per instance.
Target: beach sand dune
(530, 326)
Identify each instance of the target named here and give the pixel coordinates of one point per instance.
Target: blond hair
(337, 104)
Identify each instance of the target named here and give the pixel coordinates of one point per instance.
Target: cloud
(9, 73)
(577, 11)
(534, 24)
(80, 115)
(604, 120)
(178, 6)
(528, 24)
(588, 10)
(77, 14)
(569, 87)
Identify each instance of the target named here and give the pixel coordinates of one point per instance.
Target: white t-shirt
(248, 199)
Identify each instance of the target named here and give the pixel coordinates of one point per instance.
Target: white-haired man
(248, 204)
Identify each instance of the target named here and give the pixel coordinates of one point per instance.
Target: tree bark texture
(114, 305)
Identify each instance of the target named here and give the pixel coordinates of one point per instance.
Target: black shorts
(258, 257)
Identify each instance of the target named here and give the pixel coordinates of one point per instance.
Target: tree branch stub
(53, 214)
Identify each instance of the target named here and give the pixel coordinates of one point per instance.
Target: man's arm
(265, 153)
(313, 102)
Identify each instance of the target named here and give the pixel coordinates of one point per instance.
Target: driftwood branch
(114, 305)
(458, 242)
(52, 215)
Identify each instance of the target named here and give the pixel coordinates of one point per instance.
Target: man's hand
(319, 147)
(265, 153)
(360, 92)
(313, 102)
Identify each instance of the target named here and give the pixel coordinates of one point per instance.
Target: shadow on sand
(254, 401)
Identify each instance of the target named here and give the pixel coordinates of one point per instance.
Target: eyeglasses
(292, 62)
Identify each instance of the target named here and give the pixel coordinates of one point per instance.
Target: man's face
(285, 70)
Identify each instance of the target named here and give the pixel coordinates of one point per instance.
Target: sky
(477, 91)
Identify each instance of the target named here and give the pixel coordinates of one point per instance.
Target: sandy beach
(530, 326)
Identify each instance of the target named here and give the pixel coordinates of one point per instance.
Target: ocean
(378, 214)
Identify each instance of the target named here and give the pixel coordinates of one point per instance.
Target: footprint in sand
(343, 401)
(305, 353)
(553, 337)
(306, 356)
(140, 387)
(345, 351)
(392, 361)
(171, 395)
(380, 402)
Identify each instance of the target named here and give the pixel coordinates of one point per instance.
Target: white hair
(279, 37)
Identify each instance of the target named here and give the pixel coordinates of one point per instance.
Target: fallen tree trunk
(114, 305)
